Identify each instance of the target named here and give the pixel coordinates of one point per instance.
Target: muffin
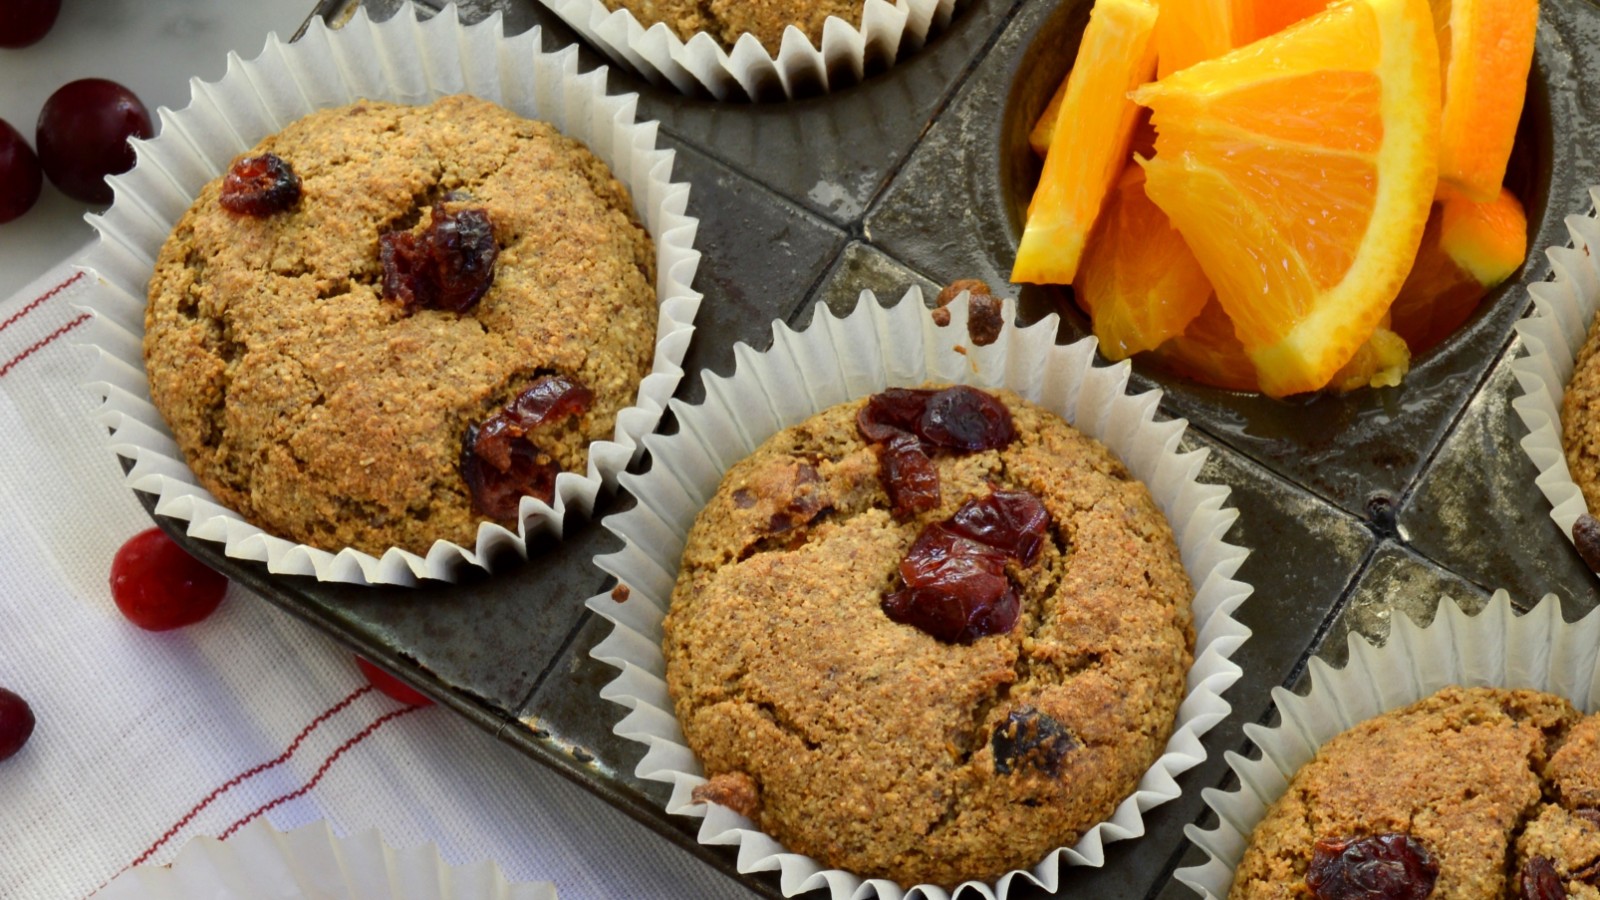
(928, 636)
(1467, 793)
(457, 302)
(726, 21)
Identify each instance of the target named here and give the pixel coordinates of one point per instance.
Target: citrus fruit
(1189, 31)
(1138, 281)
(1300, 170)
(1115, 56)
(1208, 352)
(1485, 51)
(1268, 17)
(1467, 249)
(1381, 362)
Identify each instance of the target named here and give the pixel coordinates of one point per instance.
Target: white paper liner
(1552, 335)
(749, 71)
(835, 360)
(406, 61)
(310, 861)
(1496, 648)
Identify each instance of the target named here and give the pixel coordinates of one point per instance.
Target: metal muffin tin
(1356, 508)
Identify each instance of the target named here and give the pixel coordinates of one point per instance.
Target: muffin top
(312, 390)
(1580, 419)
(1447, 796)
(808, 679)
(725, 20)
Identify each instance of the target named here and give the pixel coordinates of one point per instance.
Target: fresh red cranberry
(956, 587)
(24, 22)
(16, 723)
(390, 685)
(449, 266)
(1030, 739)
(20, 175)
(1540, 880)
(500, 463)
(1377, 867)
(259, 186)
(83, 136)
(159, 586)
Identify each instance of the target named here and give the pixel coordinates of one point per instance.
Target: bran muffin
(725, 20)
(313, 406)
(1457, 791)
(868, 743)
(1580, 419)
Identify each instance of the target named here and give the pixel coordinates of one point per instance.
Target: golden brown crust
(725, 20)
(871, 742)
(313, 407)
(1458, 771)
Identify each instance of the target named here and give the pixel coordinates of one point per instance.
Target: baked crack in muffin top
(1469, 793)
(326, 366)
(870, 743)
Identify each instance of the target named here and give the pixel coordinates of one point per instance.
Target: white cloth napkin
(145, 740)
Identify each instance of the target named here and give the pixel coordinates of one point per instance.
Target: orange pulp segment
(1300, 170)
(1138, 281)
(1485, 49)
(1467, 249)
(1116, 55)
(1208, 352)
(1381, 362)
(1267, 17)
(1189, 31)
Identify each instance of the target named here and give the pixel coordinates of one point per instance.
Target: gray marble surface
(151, 46)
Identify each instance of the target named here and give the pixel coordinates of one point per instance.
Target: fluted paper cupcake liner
(406, 61)
(1552, 335)
(1496, 648)
(835, 360)
(749, 71)
(310, 861)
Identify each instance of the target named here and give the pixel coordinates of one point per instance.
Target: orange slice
(1116, 55)
(1300, 170)
(1189, 31)
(1467, 249)
(1267, 17)
(1138, 281)
(1208, 352)
(1485, 50)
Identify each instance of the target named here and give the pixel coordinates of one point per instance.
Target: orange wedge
(1138, 281)
(1300, 170)
(1208, 352)
(1116, 55)
(1267, 17)
(1485, 50)
(1189, 31)
(1467, 249)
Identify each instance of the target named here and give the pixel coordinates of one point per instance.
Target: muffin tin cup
(1496, 648)
(835, 360)
(701, 65)
(311, 861)
(406, 61)
(1552, 335)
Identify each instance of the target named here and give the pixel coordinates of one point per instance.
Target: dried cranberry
(892, 412)
(1541, 881)
(956, 588)
(908, 476)
(1012, 521)
(158, 586)
(259, 186)
(1586, 537)
(966, 419)
(16, 723)
(449, 266)
(1029, 738)
(498, 461)
(1379, 867)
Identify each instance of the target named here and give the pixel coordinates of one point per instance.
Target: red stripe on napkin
(43, 342)
(280, 759)
(322, 770)
(11, 319)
